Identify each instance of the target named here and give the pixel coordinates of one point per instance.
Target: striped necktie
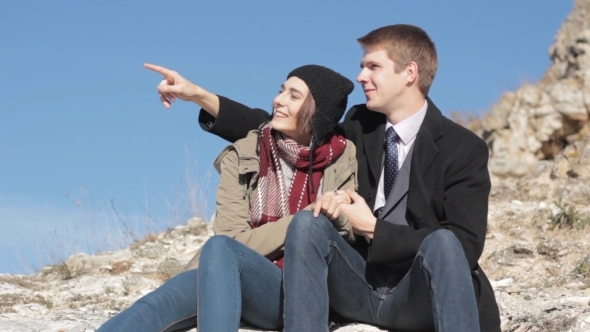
(390, 167)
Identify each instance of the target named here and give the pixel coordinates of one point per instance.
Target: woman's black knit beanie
(330, 91)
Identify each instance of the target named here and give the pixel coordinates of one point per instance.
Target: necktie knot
(390, 135)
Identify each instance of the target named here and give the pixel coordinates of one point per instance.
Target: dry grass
(569, 216)
(7, 301)
(468, 120)
(18, 281)
(105, 227)
(147, 238)
(119, 267)
(542, 323)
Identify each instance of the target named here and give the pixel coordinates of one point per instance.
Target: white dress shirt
(406, 131)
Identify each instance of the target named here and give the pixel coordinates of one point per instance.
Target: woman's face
(286, 106)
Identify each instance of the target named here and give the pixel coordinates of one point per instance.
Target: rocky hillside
(540, 132)
(539, 139)
(536, 252)
(84, 291)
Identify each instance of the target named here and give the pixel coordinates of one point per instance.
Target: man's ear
(412, 72)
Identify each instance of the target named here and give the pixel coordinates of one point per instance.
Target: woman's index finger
(158, 69)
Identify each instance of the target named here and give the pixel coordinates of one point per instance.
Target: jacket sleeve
(464, 211)
(233, 121)
(347, 180)
(233, 213)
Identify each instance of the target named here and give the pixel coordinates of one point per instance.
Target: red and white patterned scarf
(275, 198)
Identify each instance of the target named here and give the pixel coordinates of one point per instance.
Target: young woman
(265, 179)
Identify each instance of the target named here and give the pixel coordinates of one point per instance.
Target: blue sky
(90, 159)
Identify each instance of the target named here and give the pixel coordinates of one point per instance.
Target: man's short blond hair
(404, 43)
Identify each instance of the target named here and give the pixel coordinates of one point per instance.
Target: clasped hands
(333, 203)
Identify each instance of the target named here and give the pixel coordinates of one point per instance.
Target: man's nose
(362, 77)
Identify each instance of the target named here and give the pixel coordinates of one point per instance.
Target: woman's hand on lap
(329, 203)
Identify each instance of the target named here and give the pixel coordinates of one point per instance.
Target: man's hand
(329, 203)
(360, 215)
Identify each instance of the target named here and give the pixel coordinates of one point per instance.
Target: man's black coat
(448, 188)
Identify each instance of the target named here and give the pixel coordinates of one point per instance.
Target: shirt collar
(408, 128)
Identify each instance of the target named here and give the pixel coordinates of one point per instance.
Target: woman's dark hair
(305, 115)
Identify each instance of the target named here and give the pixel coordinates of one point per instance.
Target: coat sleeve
(234, 120)
(233, 213)
(464, 212)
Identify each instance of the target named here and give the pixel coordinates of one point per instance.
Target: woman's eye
(294, 97)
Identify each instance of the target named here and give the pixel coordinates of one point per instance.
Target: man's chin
(372, 106)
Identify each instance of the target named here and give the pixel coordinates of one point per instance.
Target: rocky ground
(538, 263)
(536, 252)
(84, 291)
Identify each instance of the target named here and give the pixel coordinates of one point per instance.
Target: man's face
(382, 86)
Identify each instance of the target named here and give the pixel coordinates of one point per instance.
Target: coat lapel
(400, 187)
(425, 148)
(425, 152)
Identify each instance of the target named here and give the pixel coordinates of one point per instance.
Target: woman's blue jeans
(233, 283)
(171, 307)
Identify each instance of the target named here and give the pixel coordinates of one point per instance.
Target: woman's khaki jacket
(238, 166)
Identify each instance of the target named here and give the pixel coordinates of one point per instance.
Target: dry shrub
(569, 216)
(119, 267)
(468, 120)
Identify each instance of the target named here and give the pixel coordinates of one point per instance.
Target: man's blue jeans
(232, 282)
(321, 270)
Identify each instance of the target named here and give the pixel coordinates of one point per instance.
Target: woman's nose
(278, 101)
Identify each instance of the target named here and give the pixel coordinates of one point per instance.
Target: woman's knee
(220, 254)
(305, 225)
(218, 244)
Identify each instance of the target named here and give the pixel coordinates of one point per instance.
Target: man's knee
(442, 241)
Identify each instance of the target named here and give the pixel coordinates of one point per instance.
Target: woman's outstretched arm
(220, 116)
(175, 86)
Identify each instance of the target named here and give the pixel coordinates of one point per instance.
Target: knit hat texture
(330, 91)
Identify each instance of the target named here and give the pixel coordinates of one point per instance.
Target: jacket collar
(248, 160)
(373, 129)
(425, 148)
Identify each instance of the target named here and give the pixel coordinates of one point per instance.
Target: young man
(420, 212)
(425, 223)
